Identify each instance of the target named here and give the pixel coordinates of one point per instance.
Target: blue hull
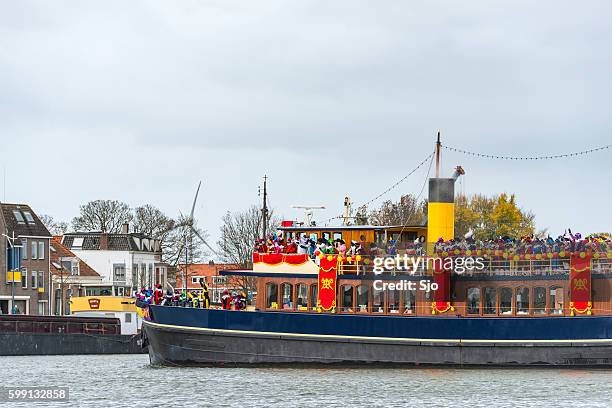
(395, 327)
(184, 336)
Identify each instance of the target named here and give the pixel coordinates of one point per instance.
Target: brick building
(21, 227)
(210, 273)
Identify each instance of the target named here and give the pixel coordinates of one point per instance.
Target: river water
(129, 381)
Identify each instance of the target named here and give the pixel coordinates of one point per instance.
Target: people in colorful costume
(204, 294)
(158, 294)
(226, 300)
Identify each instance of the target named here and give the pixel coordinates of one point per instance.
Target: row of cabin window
(37, 279)
(362, 298)
(37, 250)
(518, 301)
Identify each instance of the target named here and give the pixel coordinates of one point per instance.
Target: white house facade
(126, 262)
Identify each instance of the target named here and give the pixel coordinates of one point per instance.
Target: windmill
(188, 222)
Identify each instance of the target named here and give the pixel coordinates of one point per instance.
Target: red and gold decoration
(580, 283)
(328, 275)
(275, 259)
(441, 297)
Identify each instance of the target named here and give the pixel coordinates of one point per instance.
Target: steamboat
(528, 305)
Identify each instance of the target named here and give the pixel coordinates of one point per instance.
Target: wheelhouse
(402, 235)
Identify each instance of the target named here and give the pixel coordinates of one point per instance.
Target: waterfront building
(25, 291)
(125, 261)
(209, 272)
(70, 276)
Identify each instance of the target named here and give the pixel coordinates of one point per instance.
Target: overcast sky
(139, 100)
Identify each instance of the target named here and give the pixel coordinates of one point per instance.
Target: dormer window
(18, 217)
(77, 243)
(29, 218)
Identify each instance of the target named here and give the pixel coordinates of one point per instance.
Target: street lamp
(61, 262)
(15, 265)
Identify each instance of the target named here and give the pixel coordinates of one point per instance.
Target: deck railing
(490, 267)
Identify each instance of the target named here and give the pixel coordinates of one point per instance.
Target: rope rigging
(476, 154)
(430, 156)
(503, 157)
(397, 183)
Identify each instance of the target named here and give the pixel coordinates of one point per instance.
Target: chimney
(103, 241)
(125, 228)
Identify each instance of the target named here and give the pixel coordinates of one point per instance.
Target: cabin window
(473, 301)
(326, 236)
(429, 295)
(409, 301)
(539, 300)
(378, 300)
(314, 236)
(301, 291)
(314, 296)
(393, 300)
(556, 300)
(347, 294)
(379, 237)
(490, 301)
(362, 298)
(505, 301)
(272, 295)
(522, 301)
(337, 235)
(287, 295)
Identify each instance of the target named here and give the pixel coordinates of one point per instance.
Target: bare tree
(152, 222)
(239, 232)
(361, 217)
(181, 237)
(102, 215)
(171, 233)
(54, 227)
(406, 211)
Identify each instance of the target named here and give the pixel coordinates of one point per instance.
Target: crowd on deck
(276, 244)
(191, 298)
(568, 242)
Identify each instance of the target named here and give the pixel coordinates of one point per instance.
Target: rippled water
(128, 380)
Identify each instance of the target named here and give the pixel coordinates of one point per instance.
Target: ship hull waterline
(201, 346)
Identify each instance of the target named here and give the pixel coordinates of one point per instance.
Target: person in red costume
(158, 294)
(261, 247)
(226, 300)
(292, 247)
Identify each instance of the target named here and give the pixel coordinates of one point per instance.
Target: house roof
(60, 251)
(21, 220)
(94, 241)
(207, 269)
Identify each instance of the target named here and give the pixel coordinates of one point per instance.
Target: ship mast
(438, 145)
(264, 209)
